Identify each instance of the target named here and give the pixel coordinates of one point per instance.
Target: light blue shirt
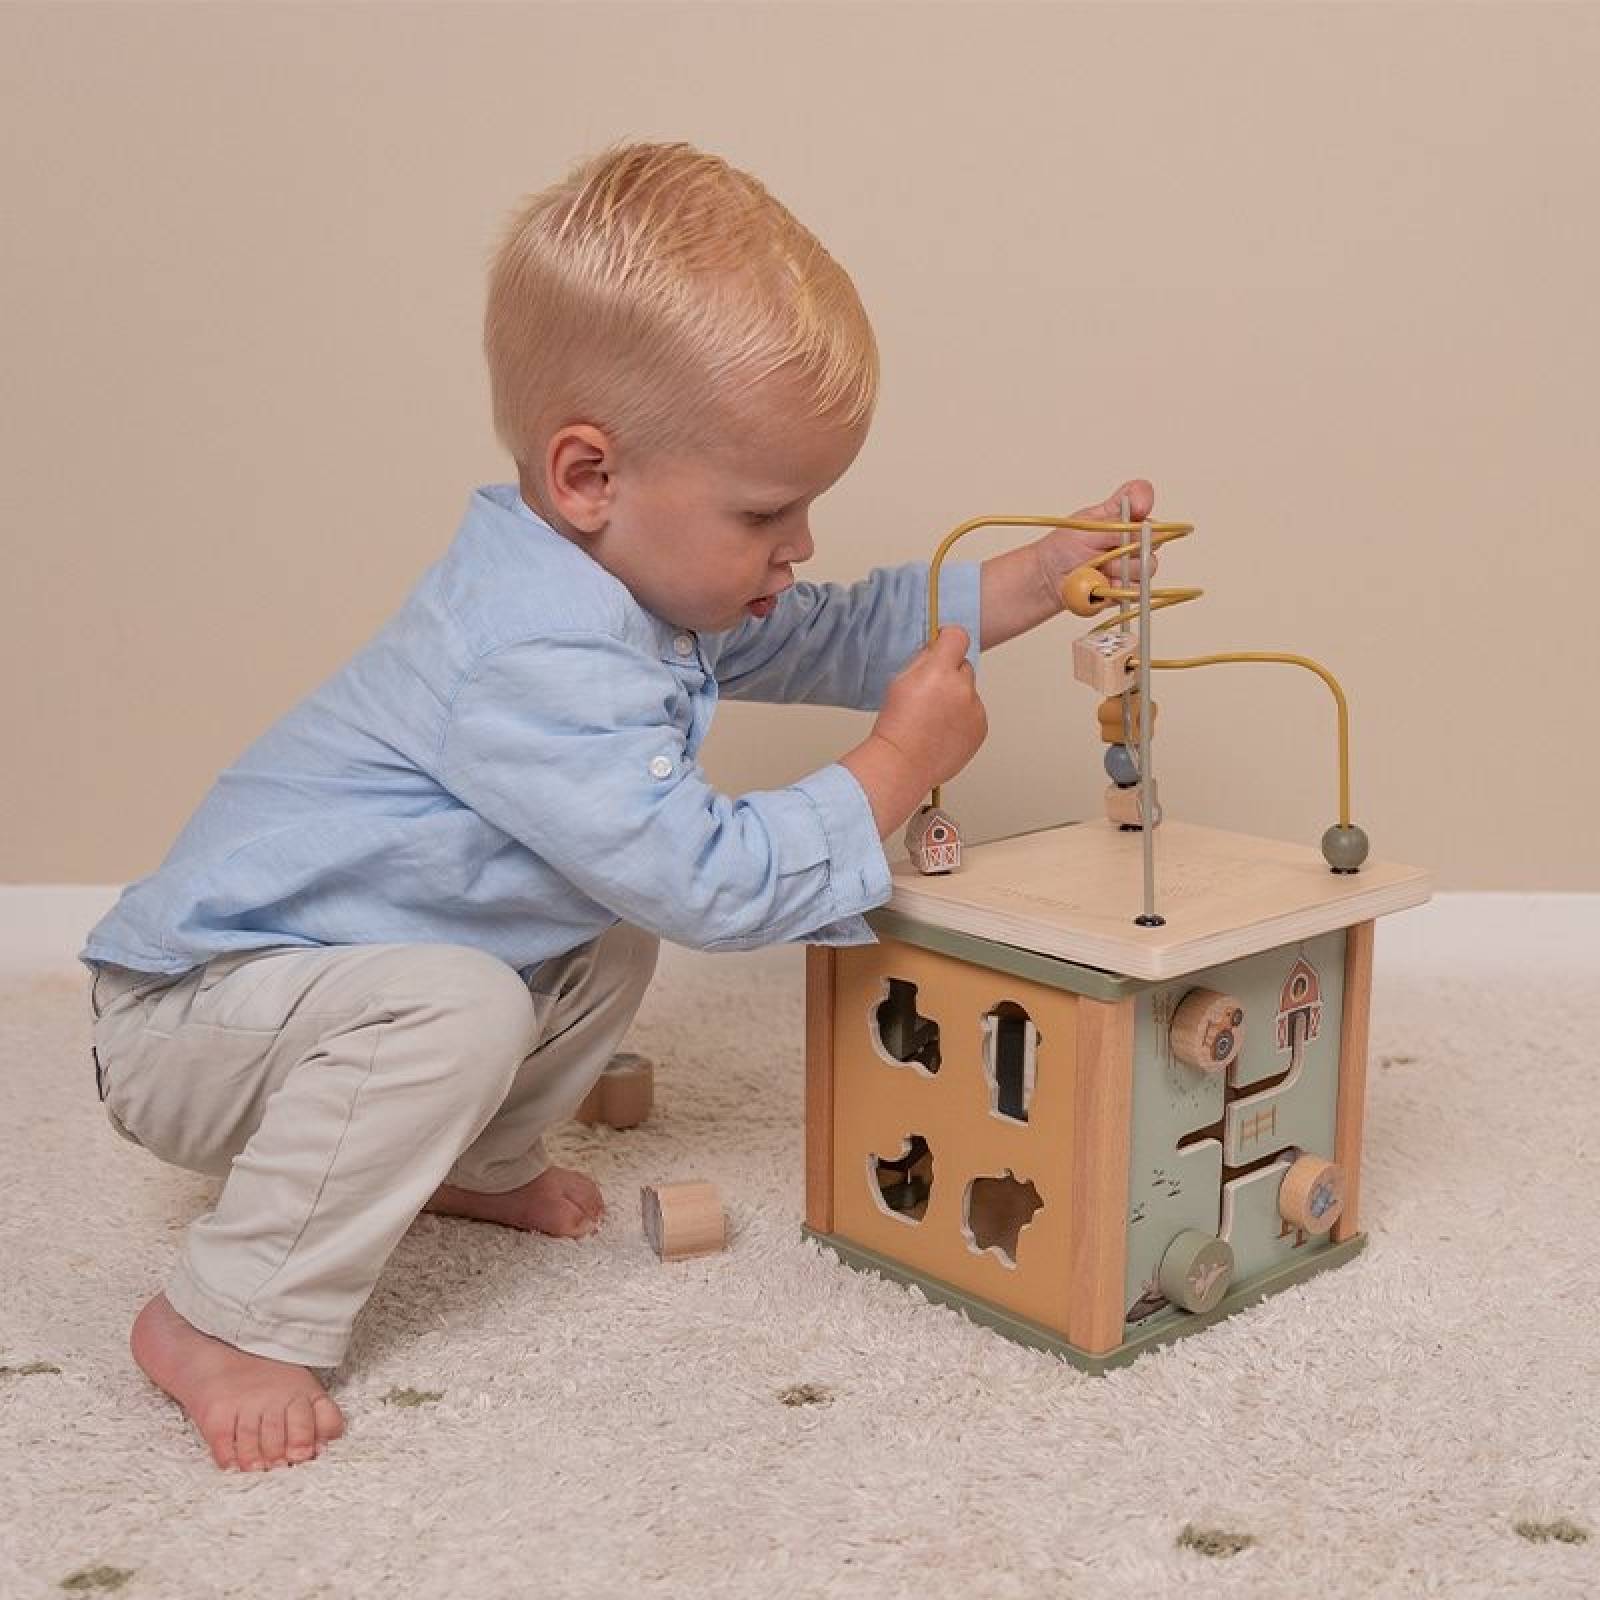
(510, 764)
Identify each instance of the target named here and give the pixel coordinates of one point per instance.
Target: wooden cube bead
(1102, 660)
(1123, 806)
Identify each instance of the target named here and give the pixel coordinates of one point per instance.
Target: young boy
(405, 932)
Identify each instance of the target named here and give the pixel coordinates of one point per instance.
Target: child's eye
(758, 519)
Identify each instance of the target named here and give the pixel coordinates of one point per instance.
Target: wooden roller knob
(622, 1095)
(1311, 1195)
(1207, 1030)
(1078, 591)
(1196, 1270)
(683, 1219)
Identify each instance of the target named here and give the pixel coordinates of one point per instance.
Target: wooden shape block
(1206, 1030)
(1312, 1194)
(1104, 660)
(622, 1095)
(1123, 806)
(683, 1219)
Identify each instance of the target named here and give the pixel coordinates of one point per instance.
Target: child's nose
(801, 548)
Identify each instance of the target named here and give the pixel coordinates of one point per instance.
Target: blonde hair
(652, 289)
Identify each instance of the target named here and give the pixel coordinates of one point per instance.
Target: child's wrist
(893, 782)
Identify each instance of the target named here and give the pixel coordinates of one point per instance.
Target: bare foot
(254, 1413)
(564, 1203)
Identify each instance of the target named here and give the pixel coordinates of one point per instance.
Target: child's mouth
(762, 607)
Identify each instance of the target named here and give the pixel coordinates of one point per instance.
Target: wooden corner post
(1102, 1132)
(1351, 1115)
(822, 963)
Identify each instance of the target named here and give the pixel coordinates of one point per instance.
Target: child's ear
(580, 462)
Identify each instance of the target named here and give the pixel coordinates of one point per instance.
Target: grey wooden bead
(1344, 849)
(1121, 768)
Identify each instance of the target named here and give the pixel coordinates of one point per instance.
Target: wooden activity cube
(1077, 1129)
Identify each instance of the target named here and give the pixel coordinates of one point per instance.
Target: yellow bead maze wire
(1124, 598)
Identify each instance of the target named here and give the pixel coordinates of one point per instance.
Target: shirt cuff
(858, 873)
(960, 601)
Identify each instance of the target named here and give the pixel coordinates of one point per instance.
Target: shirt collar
(663, 634)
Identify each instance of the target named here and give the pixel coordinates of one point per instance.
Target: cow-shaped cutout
(995, 1212)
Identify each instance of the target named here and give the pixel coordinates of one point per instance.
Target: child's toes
(584, 1193)
(300, 1430)
(273, 1429)
(329, 1418)
(217, 1424)
(571, 1220)
(247, 1441)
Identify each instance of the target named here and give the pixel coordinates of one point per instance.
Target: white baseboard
(42, 927)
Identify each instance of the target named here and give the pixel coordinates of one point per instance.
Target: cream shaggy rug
(536, 1418)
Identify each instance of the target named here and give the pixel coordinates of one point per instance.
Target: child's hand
(931, 713)
(1064, 549)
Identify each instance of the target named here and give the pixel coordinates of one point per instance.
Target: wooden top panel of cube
(1075, 891)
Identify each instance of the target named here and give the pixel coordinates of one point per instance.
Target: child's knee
(483, 997)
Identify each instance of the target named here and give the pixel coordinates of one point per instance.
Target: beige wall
(1329, 274)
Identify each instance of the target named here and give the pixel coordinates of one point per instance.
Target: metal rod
(1146, 810)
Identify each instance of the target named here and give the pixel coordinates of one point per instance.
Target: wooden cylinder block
(1207, 1030)
(1123, 806)
(683, 1219)
(1311, 1195)
(622, 1095)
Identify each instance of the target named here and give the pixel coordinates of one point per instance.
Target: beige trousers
(335, 1088)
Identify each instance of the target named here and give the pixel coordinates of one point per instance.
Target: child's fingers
(1141, 498)
(951, 645)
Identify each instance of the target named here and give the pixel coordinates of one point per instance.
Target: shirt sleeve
(828, 644)
(568, 744)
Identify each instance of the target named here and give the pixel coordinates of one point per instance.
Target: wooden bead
(1311, 1195)
(683, 1219)
(1110, 713)
(1207, 1030)
(622, 1095)
(1102, 659)
(1196, 1270)
(1078, 591)
(933, 841)
(1124, 806)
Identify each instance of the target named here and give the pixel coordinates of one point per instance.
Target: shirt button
(661, 767)
(684, 645)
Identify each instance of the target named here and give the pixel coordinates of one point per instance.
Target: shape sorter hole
(902, 1184)
(902, 1034)
(1010, 1060)
(995, 1211)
